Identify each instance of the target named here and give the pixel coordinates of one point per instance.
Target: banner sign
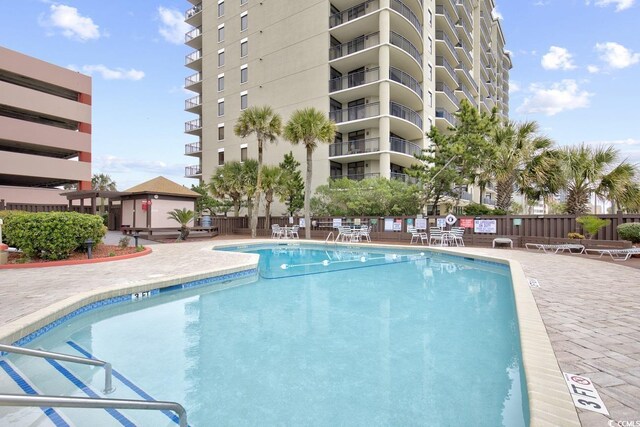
(484, 226)
(466, 222)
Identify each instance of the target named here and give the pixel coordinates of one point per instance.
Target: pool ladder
(83, 402)
(328, 236)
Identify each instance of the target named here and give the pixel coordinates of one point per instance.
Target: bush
(52, 235)
(591, 224)
(8, 217)
(476, 209)
(124, 242)
(629, 231)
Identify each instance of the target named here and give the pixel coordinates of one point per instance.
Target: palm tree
(615, 186)
(183, 217)
(267, 125)
(270, 182)
(520, 160)
(309, 126)
(228, 182)
(585, 167)
(102, 182)
(249, 182)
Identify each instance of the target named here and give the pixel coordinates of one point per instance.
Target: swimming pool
(399, 338)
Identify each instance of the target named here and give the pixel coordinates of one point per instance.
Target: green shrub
(629, 231)
(591, 224)
(575, 236)
(124, 242)
(476, 209)
(53, 235)
(8, 217)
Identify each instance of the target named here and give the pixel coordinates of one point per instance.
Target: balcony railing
(355, 113)
(357, 176)
(193, 11)
(465, 50)
(441, 61)
(193, 147)
(466, 91)
(192, 125)
(353, 46)
(440, 10)
(352, 13)
(196, 32)
(465, 195)
(467, 74)
(404, 44)
(444, 114)
(403, 177)
(358, 146)
(192, 57)
(406, 113)
(443, 87)
(401, 146)
(463, 3)
(489, 201)
(406, 80)
(192, 79)
(354, 79)
(192, 170)
(190, 103)
(403, 10)
(440, 35)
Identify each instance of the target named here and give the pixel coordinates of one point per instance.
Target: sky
(576, 71)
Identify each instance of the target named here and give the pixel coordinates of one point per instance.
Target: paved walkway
(591, 309)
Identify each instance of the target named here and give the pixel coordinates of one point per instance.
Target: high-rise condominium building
(45, 129)
(384, 70)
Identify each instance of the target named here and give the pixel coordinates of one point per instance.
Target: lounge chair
(616, 254)
(547, 248)
(415, 235)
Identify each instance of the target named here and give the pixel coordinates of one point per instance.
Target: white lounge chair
(415, 235)
(435, 235)
(616, 254)
(548, 248)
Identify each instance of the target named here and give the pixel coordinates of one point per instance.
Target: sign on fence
(421, 223)
(466, 222)
(484, 226)
(337, 222)
(388, 224)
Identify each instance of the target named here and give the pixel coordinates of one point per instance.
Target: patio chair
(365, 232)
(345, 233)
(415, 235)
(276, 231)
(435, 235)
(458, 233)
(294, 232)
(615, 254)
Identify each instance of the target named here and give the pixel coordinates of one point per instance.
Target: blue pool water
(323, 338)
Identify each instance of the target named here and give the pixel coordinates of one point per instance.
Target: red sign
(466, 222)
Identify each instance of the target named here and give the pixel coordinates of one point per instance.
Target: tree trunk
(256, 203)
(504, 189)
(307, 196)
(267, 211)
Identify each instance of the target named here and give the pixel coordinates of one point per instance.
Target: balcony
(352, 13)
(358, 146)
(357, 176)
(405, 113)
(358, 112)
(404, 44)
(447, 116)
(464, 72)
(464, 10)
(406, 80)
(489, 201)
(446, 95)
(193, 149)
(193, 127)
(193, 82)
(193, 38)
(404, 178)
(353, 46)
(442, 62)
(443, 16)
(354, 80)
(464, 32)
(466, 94)
(193, 60)
(405, 11)
(193, 16)
(194, 171)
(193, 104)
(464, 52)
(442, 37)
(405, 147)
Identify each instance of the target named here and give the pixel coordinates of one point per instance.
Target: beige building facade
(45, 129)
(384, 70)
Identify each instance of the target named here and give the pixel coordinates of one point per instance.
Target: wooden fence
(35, 207)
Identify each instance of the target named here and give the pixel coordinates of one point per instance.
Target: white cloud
(109, 73)
(561, 96)
(558, 58)
(514, 87)
(593, 69)
(495, 14)
(616, 55)
(620, 4)
(541, 3)
(173, 27)
(73, 25)
(629, 148)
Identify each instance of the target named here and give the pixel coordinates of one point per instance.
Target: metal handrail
(329, 235)
(89, 402)
(108, 387)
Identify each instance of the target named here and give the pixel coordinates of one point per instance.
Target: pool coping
(550, 403)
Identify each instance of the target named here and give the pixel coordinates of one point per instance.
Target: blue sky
(576, 72)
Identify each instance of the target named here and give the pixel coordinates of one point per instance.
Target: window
(220, 156)
(221, 132)
(220, 57)
(220, 33)
(430, 71)
(244, 74)
(430, 98)
(355, 170)
(244, 21)
(430, 44)
(244, 99)
(244, 48)
(335, 170)
(430, 18)
(243, 153)
(220, 82)
(243, 2)
(221, 107)
(220, 8)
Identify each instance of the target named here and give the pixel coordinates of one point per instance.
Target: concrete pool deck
(589, 308)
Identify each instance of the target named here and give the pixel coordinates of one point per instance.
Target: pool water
(368, 338)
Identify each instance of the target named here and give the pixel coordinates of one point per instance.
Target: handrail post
(108, 384)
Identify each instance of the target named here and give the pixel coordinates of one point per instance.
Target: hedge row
(629, 231)
(50, 235)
